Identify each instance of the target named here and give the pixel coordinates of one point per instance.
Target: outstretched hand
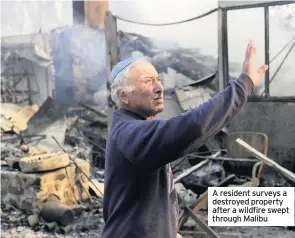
(249, 65)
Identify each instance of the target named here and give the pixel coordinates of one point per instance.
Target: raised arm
(154, 143)
(150, 144)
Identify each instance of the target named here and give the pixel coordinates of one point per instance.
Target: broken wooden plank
(44, 162)
(15, 118)
(287, 173)
(96, 187)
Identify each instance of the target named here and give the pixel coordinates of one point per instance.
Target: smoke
(285, 15)
(27, 17)
(87, 46)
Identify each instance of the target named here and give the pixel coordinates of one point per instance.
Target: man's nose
(158, 87)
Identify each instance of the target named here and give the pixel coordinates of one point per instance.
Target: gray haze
(24, 17)
(243, 25)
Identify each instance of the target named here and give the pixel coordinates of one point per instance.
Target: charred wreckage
(52, 154)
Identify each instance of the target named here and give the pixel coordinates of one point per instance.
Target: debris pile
(52, 158)
(52, 162)
(48, 174)
(87, 127)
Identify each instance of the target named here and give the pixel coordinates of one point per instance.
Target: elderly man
(139, 198)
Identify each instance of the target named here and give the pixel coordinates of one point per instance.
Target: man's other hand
(249, 65)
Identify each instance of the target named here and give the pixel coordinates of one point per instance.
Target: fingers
(262, 69)
(250, 52)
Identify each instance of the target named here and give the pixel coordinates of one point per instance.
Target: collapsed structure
(38, 175)
(53, 155)
(54, 129)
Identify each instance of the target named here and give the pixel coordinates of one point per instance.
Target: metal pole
(266, 49)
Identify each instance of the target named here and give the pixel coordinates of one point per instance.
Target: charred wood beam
(93, 110)
(222, 50)
(266, 48)
(78, 12)
(112, 54)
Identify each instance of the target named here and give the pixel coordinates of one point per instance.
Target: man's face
(147, 97)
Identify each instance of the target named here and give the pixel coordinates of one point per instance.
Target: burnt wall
(277, 121)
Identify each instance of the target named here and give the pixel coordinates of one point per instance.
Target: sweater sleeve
(150, 144)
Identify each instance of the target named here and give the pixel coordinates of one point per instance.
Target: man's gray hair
(121, 86)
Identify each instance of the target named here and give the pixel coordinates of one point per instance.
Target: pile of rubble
(48, 177)
(52, 161)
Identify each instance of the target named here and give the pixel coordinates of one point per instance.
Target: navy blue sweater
(139, 198)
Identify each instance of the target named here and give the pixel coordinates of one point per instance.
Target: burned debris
(51, 183)
(54, 183)
(52, 155)
(24, 64)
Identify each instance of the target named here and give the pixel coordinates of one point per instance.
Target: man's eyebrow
(151, 77)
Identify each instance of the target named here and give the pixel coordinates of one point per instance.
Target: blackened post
(225, 48)
(266, 45)
(112, 55)
(78, 12)
(222, 49)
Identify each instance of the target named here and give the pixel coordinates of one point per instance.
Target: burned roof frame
(223, 63)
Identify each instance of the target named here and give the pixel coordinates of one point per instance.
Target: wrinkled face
(147, 97)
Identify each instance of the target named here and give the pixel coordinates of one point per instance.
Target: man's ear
(124, 98)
